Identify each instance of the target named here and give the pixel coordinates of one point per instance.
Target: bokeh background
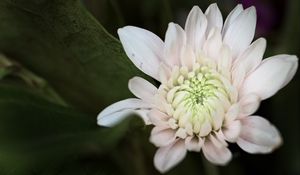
(60, 64)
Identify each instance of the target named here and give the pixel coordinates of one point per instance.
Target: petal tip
(196, 8)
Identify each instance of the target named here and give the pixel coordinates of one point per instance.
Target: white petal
(175, 41)
(240, 33)
(224, 61)
(232, 131)
(195, 28)
(188, 58)
(272, 75)
(232, 16)
(142, 89)
(162, 136)
(218, 139)
(144, 49)
(217, 117)
(249, 104)
(158, 118)
(164, 73)
(118, 111)
(253, 148)
(238, 77)
(205, 128)
(252, 57)
(213, 43)
(193, 143)
(219, 155)
(232, 113)
(167, 157)
(258, 135)
(214, 18)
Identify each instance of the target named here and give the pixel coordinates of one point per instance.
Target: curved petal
(258, 135)
(142, 89)
(213, 43)
(175, 41)
(249, 104)
(188, 58)
(118, 111)
(205, 128)
(164, 73)
(167, 157)
(232, 16)
(272, 75)
(195, 28)
(232, 113)
(232, 131)
(193, 143)
(214, 18)
(162, 136)
(240, 33)
(144, 49)
(224, 61)
(217, 154)
(252, 57)
(158, 118)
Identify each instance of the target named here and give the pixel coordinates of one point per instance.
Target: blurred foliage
(36, 134)
(60, 41)
(60, 67)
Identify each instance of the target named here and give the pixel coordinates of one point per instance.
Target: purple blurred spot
(269, 14)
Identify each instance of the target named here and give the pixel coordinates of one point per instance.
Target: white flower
(212, 81)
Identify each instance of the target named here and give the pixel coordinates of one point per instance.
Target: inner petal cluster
(196, 100)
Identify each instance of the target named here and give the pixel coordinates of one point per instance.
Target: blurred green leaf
(290, 30)
(61, 42)
(37, 135)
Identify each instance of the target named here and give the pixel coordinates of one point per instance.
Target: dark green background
(77, 67)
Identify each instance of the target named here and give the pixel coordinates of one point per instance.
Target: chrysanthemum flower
(212, 81)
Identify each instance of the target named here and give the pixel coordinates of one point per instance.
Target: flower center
(196, 100)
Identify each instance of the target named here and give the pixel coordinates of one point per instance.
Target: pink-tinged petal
(214, 18)
(118, 111)
(162, 136)
(218, 139)
(258, 135)
(249, 104)
(213, 43)
(158, 118)
(240, 33)
(175, 41)
(238, 77)
(142, 89)
(232, 131)
(232, 113)
(253, 148)
(188, 58)
(195, 28)
(272, 75)
(217, 117)
(224, 61)
(248, 61)
(193, 143)
(164, 73)
(205, 128)
(144, 49)
(217, 154)
(167, 157)
(232, 17)
(252, 57)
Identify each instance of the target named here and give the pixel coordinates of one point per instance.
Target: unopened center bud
(196, 100)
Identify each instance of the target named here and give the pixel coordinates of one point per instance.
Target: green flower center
(196, 100)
